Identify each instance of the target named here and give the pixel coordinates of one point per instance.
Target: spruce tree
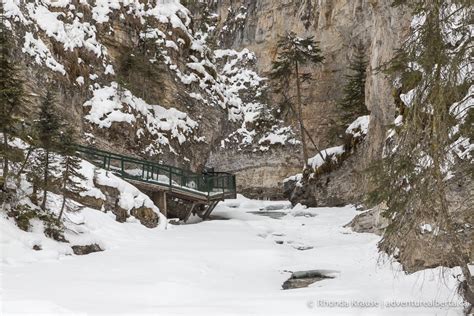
(417, 169)
(46, 132)
(11, 98)
(70, 170)
(294, 52)
(353, 101)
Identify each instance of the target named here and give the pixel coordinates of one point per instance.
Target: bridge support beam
(159, 198)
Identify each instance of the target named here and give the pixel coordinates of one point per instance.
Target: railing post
(206, 183)
(171, 177)
(208, 186)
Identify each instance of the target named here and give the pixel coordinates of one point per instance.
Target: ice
(221, 267)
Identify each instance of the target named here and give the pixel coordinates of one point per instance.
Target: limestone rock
(86, 249)
(370, 221)
(339, 26)
(146, 216)
(111, 203)
(339, 187)
(429, 247)
(88, 201)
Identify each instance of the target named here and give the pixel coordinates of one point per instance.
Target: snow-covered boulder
(118, 196)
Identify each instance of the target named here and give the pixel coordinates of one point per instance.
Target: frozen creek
(219, 267)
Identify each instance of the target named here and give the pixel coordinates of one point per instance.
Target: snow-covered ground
(218, 267)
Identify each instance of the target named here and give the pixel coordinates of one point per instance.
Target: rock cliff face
(339, 26)
(184, 83)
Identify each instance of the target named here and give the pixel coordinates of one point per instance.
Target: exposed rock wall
(259, 174)
(184, 47)
(339, 26)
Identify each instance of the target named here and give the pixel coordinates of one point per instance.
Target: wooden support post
(159, 198)
(209, 210)
(189, 212)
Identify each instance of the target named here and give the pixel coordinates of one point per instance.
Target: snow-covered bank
(220, 267)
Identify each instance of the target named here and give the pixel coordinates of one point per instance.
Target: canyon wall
(339, 26)
(185, 83)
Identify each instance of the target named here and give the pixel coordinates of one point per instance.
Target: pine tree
(414, 174)
(11, 98)
(70, 170)
(294, 52)
(353, 101)
(46, 132)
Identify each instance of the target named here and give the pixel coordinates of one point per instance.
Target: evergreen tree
(353, 101)
(70, 170)
(11, 98)
(414, 175)
(46, 132)
(294, 52)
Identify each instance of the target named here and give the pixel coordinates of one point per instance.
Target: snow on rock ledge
(111, 105)
(110, 193)
(359, 127)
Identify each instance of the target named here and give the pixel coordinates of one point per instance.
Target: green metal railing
(211, 185)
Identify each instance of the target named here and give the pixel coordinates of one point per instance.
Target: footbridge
(201, 192)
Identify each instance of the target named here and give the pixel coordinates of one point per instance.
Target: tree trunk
(45, 181)
(25, 162)
(65, 177)
(5, 161)
(300, 118)
(316, 147)
(62, 206)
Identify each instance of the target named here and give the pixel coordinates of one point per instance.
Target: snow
(130, 196)
(318, 161)
(297, 177)
(426, 228)
(41, 54)
(16, 245)
(110, 104)
(171, 11)
(102, 8)
(280, 136)
(72, 35)
(333, 152)
(109, 69)
(462, 147)
(461, 109)
(221, 78)
(11, 10)
(359, 127)
(407, 98)
(220, 267)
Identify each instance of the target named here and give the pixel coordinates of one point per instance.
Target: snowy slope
(64, 36)
(221, 267)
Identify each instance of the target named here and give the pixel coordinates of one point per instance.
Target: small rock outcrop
(86, 249)
(339, 187)
(111, 203)
(146, 216)
(300, 279)
(370, 221)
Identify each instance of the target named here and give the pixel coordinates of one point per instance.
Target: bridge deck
(154, 176)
